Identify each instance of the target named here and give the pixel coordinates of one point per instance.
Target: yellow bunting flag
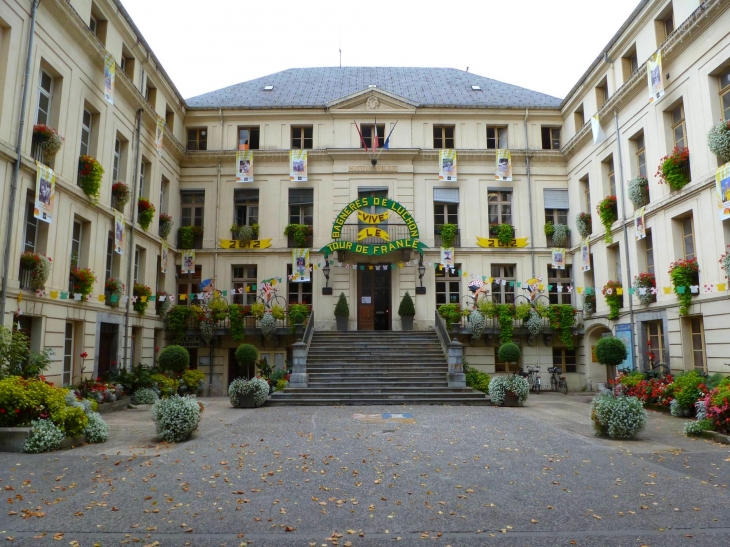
(464, 274)
(541, 286)
(721, 287)
(619, 290)
(370, 267)
(667, 290)
(54, 294)
(580, 290)
(441, 267)
(102, 298)
(183, 297)
(20, 298)
(491, 280)
(143, 298)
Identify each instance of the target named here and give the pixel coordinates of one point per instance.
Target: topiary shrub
(246, 355)
(174, 358)
(406, 306)
(509, 353)
(611, 352)
(240, 386)
(45, 436)
(144, 396)
(342, 309)
(617, 417)
(97, 431)
(176, 418)
(500, 386)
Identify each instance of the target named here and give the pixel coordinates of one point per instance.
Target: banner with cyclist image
(188, 261)
(244, 166)
(503, 166)
(298, 165)
(447, 165)
(558, 258)
(45, 193)
(300, 266)
(110, 73)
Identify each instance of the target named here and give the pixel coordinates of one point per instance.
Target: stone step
(390, 371)
(398, 390)
(378, 401)
(306, 392)
(345, 385)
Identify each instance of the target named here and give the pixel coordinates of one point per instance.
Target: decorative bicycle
(269, 298)
(557, 382)
(479, 294)
(534, 298)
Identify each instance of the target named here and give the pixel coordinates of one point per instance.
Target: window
(145, 171)
(30, 241)
(697, 334)
(116, 160)
(579, 118)
(602, 94)
(164, 191)
(109, 263)
(86, 120)
(585, 185)
(668, 25)
(301, 138)
(189, 283)
(247, 206)
(245, 278)
(298, 293)
(448, 285)
(123, 64)
(169, 119)
(610, 172)
(500, 206)
(496, 137)
(503, 286)
(649, 251)
(550, 138)
(150, 93)
(301, 206)
(45, 98)
(562, 278)
(679, 128)
(126, 62)
(198, 139)
(248, 138)
(445, 208)
(630, 63)
(615, 256)
(443, 136)
(68, 354)
(725, 94)
(556, 216)
(556, 205)
(368, 135)
(193, 204)
(688, 240)
(655, 340)
(76, 238)
(565, 358)
(93, 24)
(136, 265)
(640, 148)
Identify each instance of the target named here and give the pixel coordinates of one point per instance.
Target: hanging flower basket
(646, 281)
(39, 266)
(139, 290)
(718, 140)
(561, 233)
(584, 223)
(47, 139)
(589, 304)
(684, 275)
(674, 169)
(113, 287)
(90, 173)
(121, 195)
(166, 223)
(145, 212)
(613, 299)
(83, 281)
(608, 213)
(639, 191)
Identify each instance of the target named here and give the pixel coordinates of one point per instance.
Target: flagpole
(387, 138)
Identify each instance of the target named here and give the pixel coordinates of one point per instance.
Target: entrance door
(373, 298)
(107, 347)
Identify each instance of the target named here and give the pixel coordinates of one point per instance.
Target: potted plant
(610, 352)
(121, 195)
(298, 314)
(589, 304)
(257, 310)
(246, 356)
(505, 235)
(165, 226)
(47, 140)
(243, 233)
(584, 223)
(549, 228)
(39, 266)
(188, 234)
(639, 191)
(645, 280)
(82, 280)
(143, 293)
(608, 213)
(448, 234)
(506, 391)
(494, 229)
(174, 358)
(299, 233)
(684, 275)
(407, 310)
(145, 212)
(560, 235)
(613, 299)
(342, 313)
(113, 287)
(718, 140)
(674, 169)
(90, 173)
(248, 393)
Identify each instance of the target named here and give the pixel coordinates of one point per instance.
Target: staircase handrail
(442, 333)
(309, 332)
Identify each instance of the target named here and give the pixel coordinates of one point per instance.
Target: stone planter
(407, 322)
(510, 399)
(299, 329)
(121, 404)
(246, 401)
(341, 323)
(455, 328)
(13, 438)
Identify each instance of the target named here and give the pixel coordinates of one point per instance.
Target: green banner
(373, 250)
(386, 203)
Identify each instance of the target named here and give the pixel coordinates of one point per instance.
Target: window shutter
(446, 195)
(299, 196)
(250, 194)
(368, 189)
(556, 198)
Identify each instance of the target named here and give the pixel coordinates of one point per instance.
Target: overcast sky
(543, 45)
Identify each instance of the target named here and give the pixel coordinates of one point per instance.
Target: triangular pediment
(372, 101)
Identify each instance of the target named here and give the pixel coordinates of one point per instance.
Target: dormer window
(268, 88)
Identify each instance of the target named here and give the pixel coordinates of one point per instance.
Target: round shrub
(268, 325)
(617, 417)
(96, 430)
(639, 191)
(499, 386)
(509, 353)
(176, 418)
(44, 437)
(240, 386)
(406, 306)
(144, 396)
(246, 355)
(611, 351)
(175, 358)
(72, 421)
(193, 379)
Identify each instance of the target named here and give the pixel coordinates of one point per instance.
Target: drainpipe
(529, 192)
(215, 267)
(18, 159)
(130, 249)
(626, 238)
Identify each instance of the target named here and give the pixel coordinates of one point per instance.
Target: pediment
(372, 101)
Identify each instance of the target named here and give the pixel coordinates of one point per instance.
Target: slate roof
(426, 87)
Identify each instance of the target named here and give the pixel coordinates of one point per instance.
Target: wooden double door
(373, 297)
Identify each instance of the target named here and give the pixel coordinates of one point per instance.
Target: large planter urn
(246, 401)
(341, 323)
(511, 399)
(406, 322)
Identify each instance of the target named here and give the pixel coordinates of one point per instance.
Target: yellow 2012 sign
(493, 242)
(252, 244)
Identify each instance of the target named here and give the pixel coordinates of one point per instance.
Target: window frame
(678, 122)
(252, 130)
(450, 294)
(724, 94)
(192, 219)
(499, 136)
(296, 293)
(241, 281)
(550, 131)
(659, 350)
(561, 360)
(367, 135)
(501, 215)
(30, 220)
(189, 283)
(68, 354)
(302, 215)
(610, 175)
(564, 277)
(86, 129)
(116, 159)
(302, 137)
(688, 221)
(504, 293)
(649, 252)
(447, 216)
(249, 205)
(48, 94)
(199, 137)
(640, 155)
(555, 216)
(703, 347)
(441, 141)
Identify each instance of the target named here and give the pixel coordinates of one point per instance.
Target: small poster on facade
(447, 165)
(300, 266)
(585, 255)
(640, 224)
(654, 74)
(159, 131)
(558, 258)
(722, 183)
(447, 256)
(110, 73)
(119, 232)
(244, 166)
(163, 258)
(503, 167)
(45, 193)
(298, 165)
(188, 261)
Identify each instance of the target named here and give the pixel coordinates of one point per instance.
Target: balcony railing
(551, 242)
(395, 231)
(494, 231)
(26, 275)
(198, 241)
(308, 242)
(36, 150)
(492, 325)
(437, 241)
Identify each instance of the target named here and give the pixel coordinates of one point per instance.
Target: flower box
(246, 401)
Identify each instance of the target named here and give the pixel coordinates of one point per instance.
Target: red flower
(2, 411)
(84, 355)
(17, 411)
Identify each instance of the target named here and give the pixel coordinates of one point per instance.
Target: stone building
(337, 115)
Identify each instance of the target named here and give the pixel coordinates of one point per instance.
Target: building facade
(342, 118)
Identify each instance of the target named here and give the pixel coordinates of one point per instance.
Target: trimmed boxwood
(175, 358)
(509, 353)
(246, 355)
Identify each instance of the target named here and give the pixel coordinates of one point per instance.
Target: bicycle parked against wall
(557, 382)
(532, 375)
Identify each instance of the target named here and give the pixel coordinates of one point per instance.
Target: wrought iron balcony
(438, 242)
(350, 232)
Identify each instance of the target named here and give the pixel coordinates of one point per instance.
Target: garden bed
(12, 439)
(121, 404)
(717, 437)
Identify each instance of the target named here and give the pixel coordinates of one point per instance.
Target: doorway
(108, 348)
(373, 297)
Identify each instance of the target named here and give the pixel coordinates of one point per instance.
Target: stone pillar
(299, 376)
(456, 376)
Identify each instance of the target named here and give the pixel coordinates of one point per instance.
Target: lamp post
(421, 273)
(326, 271)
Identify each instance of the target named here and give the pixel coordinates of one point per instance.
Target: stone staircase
(377, 368)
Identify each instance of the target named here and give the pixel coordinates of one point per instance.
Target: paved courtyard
(317, 476)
